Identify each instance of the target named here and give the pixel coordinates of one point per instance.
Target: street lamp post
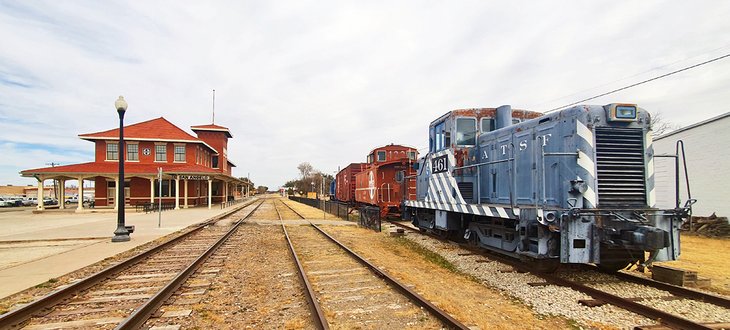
(121, 234)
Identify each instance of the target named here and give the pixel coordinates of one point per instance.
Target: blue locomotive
(573, 186)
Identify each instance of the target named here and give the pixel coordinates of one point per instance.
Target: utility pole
(55, 193)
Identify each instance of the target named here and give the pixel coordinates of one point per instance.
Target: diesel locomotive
(572, 186)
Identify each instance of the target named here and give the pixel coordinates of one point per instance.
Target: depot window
(215, 162)
(381, 156)
(160, 153)
(180, 153)
(466, 131)
(168, 188)
(133, 152)
(112, 151)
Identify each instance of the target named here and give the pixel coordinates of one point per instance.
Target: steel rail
(22, 314)
(676, 290)
(660, 316)
(321, 320)
(650, 312)
(278, 214)
(138, 318)
(292, 209)
(447, 319)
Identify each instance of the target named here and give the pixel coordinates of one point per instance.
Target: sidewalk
(37, 247)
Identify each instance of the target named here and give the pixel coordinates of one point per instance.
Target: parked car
(49, 201)
(17, 201)
(27, 202)
(72, 199)
(4, 202)
(33, 200)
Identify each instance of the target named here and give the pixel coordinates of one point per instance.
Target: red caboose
(345, 182)
(387, 176)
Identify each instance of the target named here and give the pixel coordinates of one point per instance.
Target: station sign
(193, 177)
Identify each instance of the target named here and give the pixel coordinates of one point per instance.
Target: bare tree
(305, 169)
(660, 125)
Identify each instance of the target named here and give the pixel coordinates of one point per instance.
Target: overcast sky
(327, 81)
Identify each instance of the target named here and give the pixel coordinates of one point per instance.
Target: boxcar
(345, 183)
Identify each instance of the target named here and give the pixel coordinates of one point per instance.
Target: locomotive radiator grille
(620, 164)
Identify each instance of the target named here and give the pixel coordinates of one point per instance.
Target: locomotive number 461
(440, 164)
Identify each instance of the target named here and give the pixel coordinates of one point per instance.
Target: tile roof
(158, 129)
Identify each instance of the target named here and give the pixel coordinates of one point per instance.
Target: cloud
(328, 81)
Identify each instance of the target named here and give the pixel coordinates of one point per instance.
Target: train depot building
(195, 170)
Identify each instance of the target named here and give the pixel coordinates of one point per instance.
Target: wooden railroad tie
(598, 302)
(680, 277)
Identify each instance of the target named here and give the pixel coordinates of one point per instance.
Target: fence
(231, 202)
(369, 216)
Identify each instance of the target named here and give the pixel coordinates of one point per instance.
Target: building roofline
(704, 122)
(131, 139)
(221, 129)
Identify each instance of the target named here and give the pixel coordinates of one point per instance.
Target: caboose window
(487, 124)
(412, 155)
(381, 156)
(466, 130)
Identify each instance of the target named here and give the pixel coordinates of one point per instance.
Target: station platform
(36, 247)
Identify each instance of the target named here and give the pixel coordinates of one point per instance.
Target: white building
(707, 147)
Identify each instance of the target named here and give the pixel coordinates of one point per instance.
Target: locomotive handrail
(486, 163)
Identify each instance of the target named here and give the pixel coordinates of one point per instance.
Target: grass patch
(429, 255)
(47, 284)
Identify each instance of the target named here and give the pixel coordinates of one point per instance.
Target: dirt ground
(709, 257)
(468, 301)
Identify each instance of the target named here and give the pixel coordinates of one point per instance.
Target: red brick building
(195, 170)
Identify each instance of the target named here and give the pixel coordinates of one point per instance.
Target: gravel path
(256, 288)
(548, 300)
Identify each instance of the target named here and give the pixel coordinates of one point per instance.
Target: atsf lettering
(521, 146)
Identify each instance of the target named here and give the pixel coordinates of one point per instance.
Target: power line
(628, 77)
(641, 82)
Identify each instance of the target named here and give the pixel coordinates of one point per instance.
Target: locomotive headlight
(622, 112)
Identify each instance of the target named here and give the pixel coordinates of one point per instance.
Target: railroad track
(346, 291)
(125, 295)
(609, 290)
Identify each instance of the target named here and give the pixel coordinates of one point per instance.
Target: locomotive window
(487, 124)
(466, 131)
(381, 156)
(439, 133)
(516, 121)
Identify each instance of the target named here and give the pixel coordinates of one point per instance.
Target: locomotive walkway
(37, 247)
